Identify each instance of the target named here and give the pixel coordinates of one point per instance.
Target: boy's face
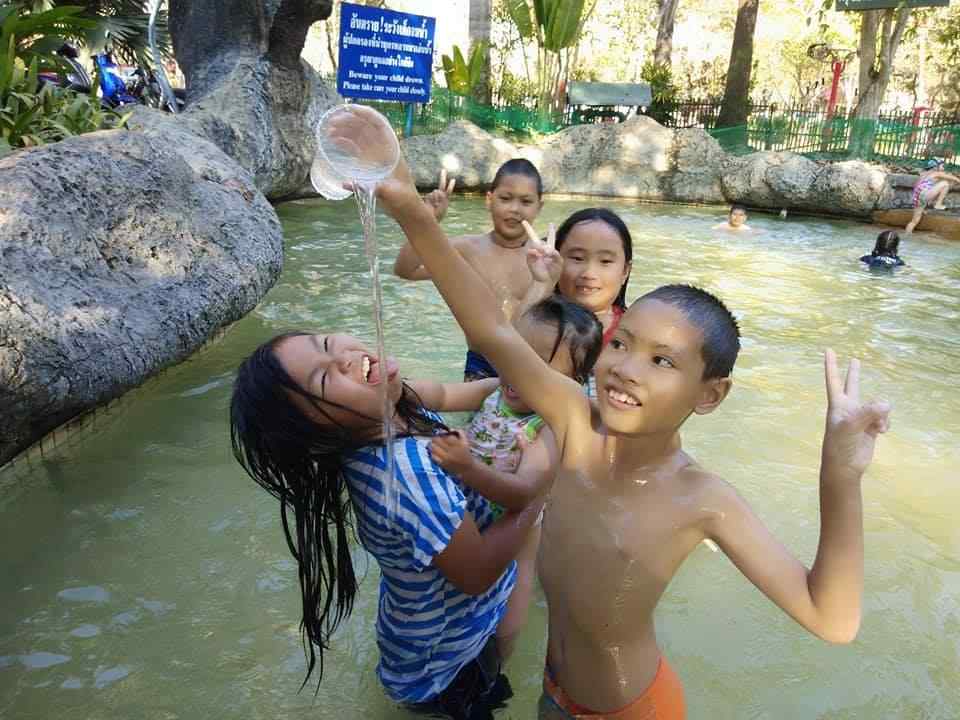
(649, 378)
(514, 200)
(737, 217)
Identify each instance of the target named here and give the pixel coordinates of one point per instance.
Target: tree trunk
(481, 12)
(736, 94)
(248, 90)
(880, 34)
(664, 47)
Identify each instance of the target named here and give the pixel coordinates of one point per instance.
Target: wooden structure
(942, 222)
(590, 102)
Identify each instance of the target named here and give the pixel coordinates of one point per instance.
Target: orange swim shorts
(663, 700)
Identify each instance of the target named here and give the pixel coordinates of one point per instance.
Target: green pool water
(142, 575)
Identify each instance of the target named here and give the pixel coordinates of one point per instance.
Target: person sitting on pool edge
(736, 221)
(930, 190)
(884, 253)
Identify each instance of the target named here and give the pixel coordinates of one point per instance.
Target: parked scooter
(126, 86)
(119, 86)
(77, 78)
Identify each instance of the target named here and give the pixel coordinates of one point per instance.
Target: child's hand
(439, 200)
(852, 426)
(452, 452)
(398, 194)
(362, 133)
(545, 263)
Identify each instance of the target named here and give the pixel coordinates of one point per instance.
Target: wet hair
(518, 166)
(706, 312)
(604, 215)
(300, 462)
(734, 208)
(576, 326)
(888, 244)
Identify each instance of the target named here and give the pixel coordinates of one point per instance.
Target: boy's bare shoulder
(706, 487)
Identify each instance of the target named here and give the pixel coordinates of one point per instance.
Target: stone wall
(641, 159)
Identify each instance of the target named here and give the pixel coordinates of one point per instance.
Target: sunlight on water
(143, 575)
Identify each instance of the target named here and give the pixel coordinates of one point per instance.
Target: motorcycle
(118, 86)
(136, 85)
(76, 78)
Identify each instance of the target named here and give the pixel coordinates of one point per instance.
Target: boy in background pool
(629, 505)
(736, 221)
(498, 256)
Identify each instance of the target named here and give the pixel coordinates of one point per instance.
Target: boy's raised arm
(477, 309)
(826, 599)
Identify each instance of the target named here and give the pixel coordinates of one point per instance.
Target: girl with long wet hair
(306, 425)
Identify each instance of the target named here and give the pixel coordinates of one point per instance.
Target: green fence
(446, 107)
(898, 137)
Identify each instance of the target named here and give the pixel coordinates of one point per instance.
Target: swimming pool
(143, 575)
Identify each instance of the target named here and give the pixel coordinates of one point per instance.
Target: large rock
(248, 90)
(470, 153)
(121, 252)
(698, 164)
(629, 159)
(638, 158)
(787, 180)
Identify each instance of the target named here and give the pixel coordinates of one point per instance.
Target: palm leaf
(564, 24)
(519, 12)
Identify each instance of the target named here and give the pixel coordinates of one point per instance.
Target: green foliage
(562, 23)
(117, 25)
(32, 113)
(555, 25)
(519, 13)
(514, 89)
(462, 75)
(664, 92)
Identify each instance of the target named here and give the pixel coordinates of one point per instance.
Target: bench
(592, 102)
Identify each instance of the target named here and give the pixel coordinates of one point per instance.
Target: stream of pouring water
(367, 206)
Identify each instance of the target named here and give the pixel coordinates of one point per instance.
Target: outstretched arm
(454, 397)
(514, 491)
(408, 265)
(827, 598)
(556, 398)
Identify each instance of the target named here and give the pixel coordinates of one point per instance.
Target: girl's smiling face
(342, 374)
(594, 265)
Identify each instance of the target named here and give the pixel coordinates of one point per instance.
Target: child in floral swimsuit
(506, 450)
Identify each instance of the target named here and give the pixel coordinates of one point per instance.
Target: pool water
(143, 575)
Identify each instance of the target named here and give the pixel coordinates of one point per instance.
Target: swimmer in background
(930, 190)
(629, 505)
(736, 221)
(506, 450)
(498, 256)
(885, 252)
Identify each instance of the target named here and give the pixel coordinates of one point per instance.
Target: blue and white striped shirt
(427, 629)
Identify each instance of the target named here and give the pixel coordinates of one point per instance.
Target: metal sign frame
(385, 54)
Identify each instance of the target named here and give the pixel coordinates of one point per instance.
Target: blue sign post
(384, 54)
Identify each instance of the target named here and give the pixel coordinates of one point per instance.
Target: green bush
(663, 90)
(33, 113)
